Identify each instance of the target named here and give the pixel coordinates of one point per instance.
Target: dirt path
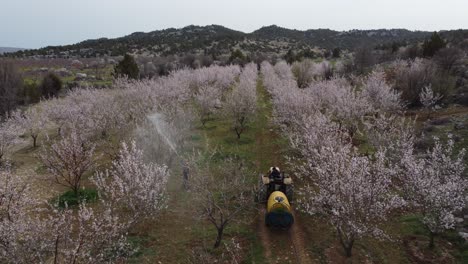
(280, 246)
(264, 235)
(296, 235)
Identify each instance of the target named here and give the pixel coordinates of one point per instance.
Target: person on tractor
(276, 178)
(274, 174)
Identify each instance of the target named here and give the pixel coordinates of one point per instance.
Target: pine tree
(336, 52)
(127, 67)
(290, 57)
(430, 47)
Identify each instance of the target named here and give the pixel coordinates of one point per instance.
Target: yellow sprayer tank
(279, 213)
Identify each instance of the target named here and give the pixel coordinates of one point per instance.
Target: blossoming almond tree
(435, 185)
(132, 185)
(342, 101)
(206, 99)
(9, 136)
(429, 99)
(390, 132)
(68, 160)
(218, 76)
(318, 132)
(73, 112)
(21, 232)
(33, 121)
(222, 193)
(87, 236)
(380, 94)
(351, 191)
(282, 69)
(240, 104)
(31, 232)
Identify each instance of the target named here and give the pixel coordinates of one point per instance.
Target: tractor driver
(275, 173)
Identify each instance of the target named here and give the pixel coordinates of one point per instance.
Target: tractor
(274, 180)
(276, 191)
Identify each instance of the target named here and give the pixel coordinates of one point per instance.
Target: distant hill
(329, 39)
(8, 50)
(218, 40)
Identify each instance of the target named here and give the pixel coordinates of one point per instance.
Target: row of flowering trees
(241, 102)
(356, 186)
(235, 102)
(133, 189)
(96, 112)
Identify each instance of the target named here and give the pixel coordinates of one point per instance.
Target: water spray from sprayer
(162, 128)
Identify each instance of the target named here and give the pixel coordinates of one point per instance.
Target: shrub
(336, 53)
(50, 86)
(412, 76)
(237, 57)
(307, 71)
(32, 92)
(290, 56)
(363, 59)
(303, 71)
(29, 94)
(69, 198)
(411, 52)
(448, 58)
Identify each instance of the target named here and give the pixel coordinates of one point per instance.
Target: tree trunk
(431, 240)
(76, 190)
(56, 250)
(238, 133)
(348, 250)
(203, 121)
(346, 243)
(34, 141)
(185, 172)
(219, 237)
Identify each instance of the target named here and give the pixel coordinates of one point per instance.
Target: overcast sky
(38, 23)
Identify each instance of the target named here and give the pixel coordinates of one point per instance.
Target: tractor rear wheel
(262, 192)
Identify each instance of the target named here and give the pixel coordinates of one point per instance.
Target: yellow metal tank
(278, 211)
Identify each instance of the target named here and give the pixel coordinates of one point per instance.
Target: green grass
(411, 225)
(219, 134)
(105, 74)
(69, 198)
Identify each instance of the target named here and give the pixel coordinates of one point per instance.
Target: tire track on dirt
(264, 235)
(297, 239)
